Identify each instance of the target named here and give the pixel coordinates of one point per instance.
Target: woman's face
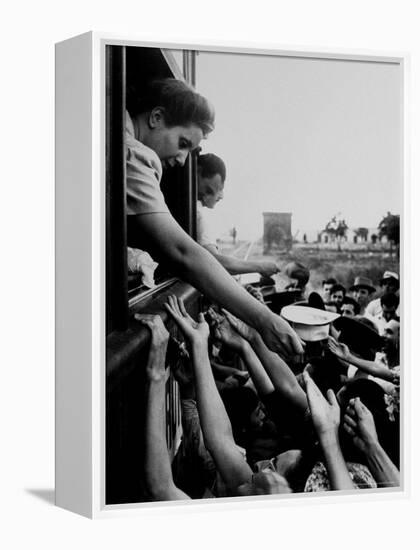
(172, 144)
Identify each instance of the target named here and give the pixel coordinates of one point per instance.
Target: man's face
(211, 190)
(337, 297)
(391, 338)
(257, 417)
(361, 295)
(389, 286)
(326, 292)
(388, 313)
(172, 144)
(347, 310)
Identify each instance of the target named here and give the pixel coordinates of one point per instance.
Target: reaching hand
(360, 425)
(255, 292)
(279, 336)
(325, 413)
(228, 335)
(340, 350)
(160, 336)
(155, 369)
(241, 328)
(195, 332)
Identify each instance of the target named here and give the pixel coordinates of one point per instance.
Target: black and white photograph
(253, 203)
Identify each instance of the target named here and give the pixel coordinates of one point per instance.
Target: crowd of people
(305, 398)
(256, 423)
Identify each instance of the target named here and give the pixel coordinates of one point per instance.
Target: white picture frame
(80, 272)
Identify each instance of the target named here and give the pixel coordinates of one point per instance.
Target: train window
(128, 70)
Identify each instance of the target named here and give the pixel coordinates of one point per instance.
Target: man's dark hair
(336, 288)
(296, 270)
(209, 165)
(390, 300)
(329, 281)
(352, 301)
(180, 103)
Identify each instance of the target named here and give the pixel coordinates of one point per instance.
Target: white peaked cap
(309, 323)
(390, 275)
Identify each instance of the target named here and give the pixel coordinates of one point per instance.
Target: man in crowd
(298, 275)
(211, 181)
(327, 285)
(391, 346)
(337, 295)
(349, 307)
(390, 283)
(389, 304)
(362, 289)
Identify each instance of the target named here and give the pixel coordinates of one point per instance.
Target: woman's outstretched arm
(168, 242)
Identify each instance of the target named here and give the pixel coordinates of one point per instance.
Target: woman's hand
(279, 336)
(197, 333)
(339, 350)
(360, 425)
(325, 413)
(155, 369)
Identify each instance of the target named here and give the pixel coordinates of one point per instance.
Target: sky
(308, 136)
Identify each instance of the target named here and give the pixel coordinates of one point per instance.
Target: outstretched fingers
(359, 407)
(313, 393)
(332, 399)
(349, 429)
(183, 310)
(350, 421)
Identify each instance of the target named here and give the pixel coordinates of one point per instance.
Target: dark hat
(277, 300)
(314, 300)
(296, 270)
(358, 333)
(363, 282)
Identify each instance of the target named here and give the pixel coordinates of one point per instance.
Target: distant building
(277, 231)
(354, 235)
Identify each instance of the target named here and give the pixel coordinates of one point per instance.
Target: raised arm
(157, 466)
(228, 336)
(369, 367)
(282, 378)
(326, 419)
(215, 423)
(360, 425)
(161, 235)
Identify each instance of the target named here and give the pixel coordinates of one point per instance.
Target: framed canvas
(228, 268)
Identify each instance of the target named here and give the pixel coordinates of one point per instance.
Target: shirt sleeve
(205, 234)
(143, 174)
